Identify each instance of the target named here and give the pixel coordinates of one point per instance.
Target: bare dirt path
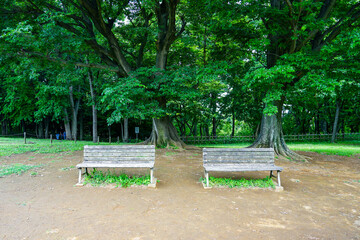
(321, 200)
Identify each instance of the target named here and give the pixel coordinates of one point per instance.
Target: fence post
(25, 137)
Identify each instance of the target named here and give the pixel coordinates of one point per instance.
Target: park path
(320, 201)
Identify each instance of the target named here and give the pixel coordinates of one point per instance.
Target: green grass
(240, 183)
(345, 148)
(16, 168)
(99, 178)
(10, 146)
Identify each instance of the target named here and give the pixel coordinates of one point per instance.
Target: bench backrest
(238, 155)
(125, 153)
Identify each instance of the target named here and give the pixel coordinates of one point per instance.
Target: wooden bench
(238, 160)
(124, 156)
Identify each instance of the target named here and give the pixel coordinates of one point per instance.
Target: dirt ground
(321, 200)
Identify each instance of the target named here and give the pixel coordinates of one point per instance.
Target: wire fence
(210, 139)
(288, 138)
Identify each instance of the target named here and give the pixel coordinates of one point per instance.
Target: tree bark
(164, 134)
(81, 126)
(336, 121)
(41, 129)
(233, 123)
(271, 134)
(126, 130)
(67, 125)
(74, 109)
(93, 106)
(47, 122)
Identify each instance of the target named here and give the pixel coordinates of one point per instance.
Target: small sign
(137, 129)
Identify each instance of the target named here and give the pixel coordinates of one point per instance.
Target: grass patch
(344, 148)
(16, 168)
(240, 183)
(10, 146)
(170, 153)
(99, 178)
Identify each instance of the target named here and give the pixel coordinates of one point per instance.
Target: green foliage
(98, 178)
(17, 169)
(240, 183)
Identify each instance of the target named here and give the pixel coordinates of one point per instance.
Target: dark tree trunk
(271, 134)
(41, 129)
(336, 121)
(233, 123)
(164, 134)
(47, 123)
(126, 130)
(4, 127)
(81, 126)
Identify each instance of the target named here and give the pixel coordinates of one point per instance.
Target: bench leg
(151, 175)
(86, 171)
(79, 176)
(271, 175)
(278, 178)
(207, 178)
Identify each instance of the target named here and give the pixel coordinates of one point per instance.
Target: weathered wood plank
(238, 149)
(115, 154)
(119, 147)
(115, 165)
(116, 158)
(240, 158)
(237, 168)
(120, 150)
(239, 153)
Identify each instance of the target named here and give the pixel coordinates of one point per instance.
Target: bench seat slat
(119, 159)
(115, 165)
(240, 168)
(119, 150)
(115, 154)
(239, 154)
(234, 161)
(126, 147)
(238, 149)
(239, 158)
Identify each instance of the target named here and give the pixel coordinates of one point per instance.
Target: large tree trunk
(271, 134)
(164, 134)
(336, 121)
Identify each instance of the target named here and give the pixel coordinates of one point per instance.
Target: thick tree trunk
(336, 121)
(271, 135)
(126, 130)
(164, 134)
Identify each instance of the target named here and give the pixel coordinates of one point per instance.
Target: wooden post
(51, 139)
(25, 137)
(98, 139)
(109, 139)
